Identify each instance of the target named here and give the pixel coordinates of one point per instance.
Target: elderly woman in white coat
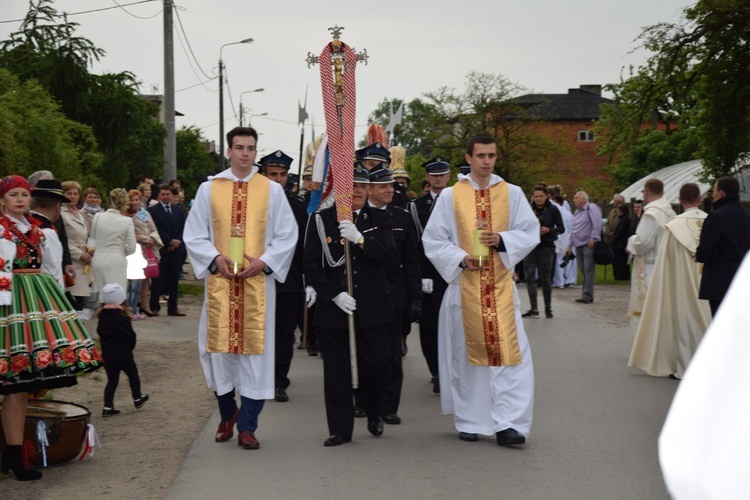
(113, 235)
(81, 255)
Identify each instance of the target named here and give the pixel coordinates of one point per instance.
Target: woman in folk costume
(43, 344)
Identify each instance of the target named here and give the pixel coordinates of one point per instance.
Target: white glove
(345, 302)
(426, 286)
(310, 296)
(349, 231)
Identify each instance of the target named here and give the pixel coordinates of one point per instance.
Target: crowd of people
(353, 279)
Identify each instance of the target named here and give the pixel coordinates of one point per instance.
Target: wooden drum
(66, 429)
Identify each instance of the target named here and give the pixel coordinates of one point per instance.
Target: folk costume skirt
(43, 343)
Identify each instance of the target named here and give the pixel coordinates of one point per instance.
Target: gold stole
(237, 307)
(487, 301)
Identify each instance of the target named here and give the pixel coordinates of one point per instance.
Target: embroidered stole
(237, 307)
(487, 299)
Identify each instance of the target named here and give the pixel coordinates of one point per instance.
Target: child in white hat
(117, 336)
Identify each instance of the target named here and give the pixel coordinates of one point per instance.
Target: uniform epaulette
(401, 209)
(295, 196)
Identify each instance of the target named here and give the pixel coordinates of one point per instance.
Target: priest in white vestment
(704, 446)
(236, 329)
(485, 366)
(674, 319)
(644, 245)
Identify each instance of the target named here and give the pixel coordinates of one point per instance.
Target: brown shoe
(175, 312)
(247, 440)
(226, 428)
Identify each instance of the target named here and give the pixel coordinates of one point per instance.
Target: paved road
(595, 432)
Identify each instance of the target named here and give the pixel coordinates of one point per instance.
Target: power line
(187, 41)
(86, 11)
(187, 56)
(199, 84)
(137, 17)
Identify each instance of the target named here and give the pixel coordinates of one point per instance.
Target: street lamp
(241, 108)
(251, 115)
(221, 99)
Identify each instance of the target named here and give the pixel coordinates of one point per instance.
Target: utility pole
(170, 145)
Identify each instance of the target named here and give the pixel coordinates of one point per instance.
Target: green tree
(696, 79)
(47, 49)
(36, 134)
(194, 163)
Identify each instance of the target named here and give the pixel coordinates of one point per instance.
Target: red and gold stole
(487, 301)
(237, 307)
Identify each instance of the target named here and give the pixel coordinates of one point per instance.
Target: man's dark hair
(241, 131)
(165, 187)
(638, 202)
(558, 199)
(541, 188)
(44, 202)
(690, 192)
(173, 182)
(728, 185)
(655, 186)
(479, 139)
(175, 191)
(425, 183)
(624, 209)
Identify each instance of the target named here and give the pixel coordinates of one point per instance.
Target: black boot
(16, 458)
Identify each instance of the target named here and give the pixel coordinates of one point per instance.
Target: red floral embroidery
(3, 366)
(95, 353)
(43, 359)
(19, 363)
(84, 355)
(2, 263)
(4, 284)
(69, 355)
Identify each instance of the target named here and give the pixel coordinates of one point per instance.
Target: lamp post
(221, 99)
(246, 92)
(251, 115)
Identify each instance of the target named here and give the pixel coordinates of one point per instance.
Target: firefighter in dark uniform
(376, 155)
(309, 302)
(290, 294)
(433, 286)
(405, 282)
(372, 249)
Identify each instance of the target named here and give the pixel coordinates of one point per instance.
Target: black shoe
(140, 401)
(510, 437)
(433, 380)
(375, 427)
(359, 412)
(281, 395)
(584, 301)
(312, 352)
(467, 436)
(336, 440)
(548, 313)
(16, 458)
(672, 376)
(436, 387)
(109, 412)
(150, 314)
(392, 419)
(531, 313)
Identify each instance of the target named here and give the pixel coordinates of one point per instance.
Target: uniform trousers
(372, 358)
(428, 328)
(394, 378)
(287, 304)
(113, 369)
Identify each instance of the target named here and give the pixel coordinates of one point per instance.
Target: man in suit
(405, 282)
(438, 172)
(289, 294)
(170, 221)
(372, 249)
(725, 239)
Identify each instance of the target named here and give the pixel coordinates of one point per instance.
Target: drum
(66, 429)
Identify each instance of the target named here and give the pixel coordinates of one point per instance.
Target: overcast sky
(547, 46)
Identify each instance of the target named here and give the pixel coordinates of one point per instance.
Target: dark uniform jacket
(404, 273)
(369, 268)
(420, 210)
(399, 196)
(293, 281)
(725, 239)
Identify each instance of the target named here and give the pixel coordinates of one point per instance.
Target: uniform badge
(429, 202)
(329, 240)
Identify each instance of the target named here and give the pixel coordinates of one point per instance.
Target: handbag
(152, 264)
(603, 254)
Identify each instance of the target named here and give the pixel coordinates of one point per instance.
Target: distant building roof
(581, 104)
(676, 175)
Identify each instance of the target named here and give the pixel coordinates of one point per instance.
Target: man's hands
(349, 231)
(426, 286)
(253, 267)
(489, 238)
(472, 263)
(345, 302)
(310, 296)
